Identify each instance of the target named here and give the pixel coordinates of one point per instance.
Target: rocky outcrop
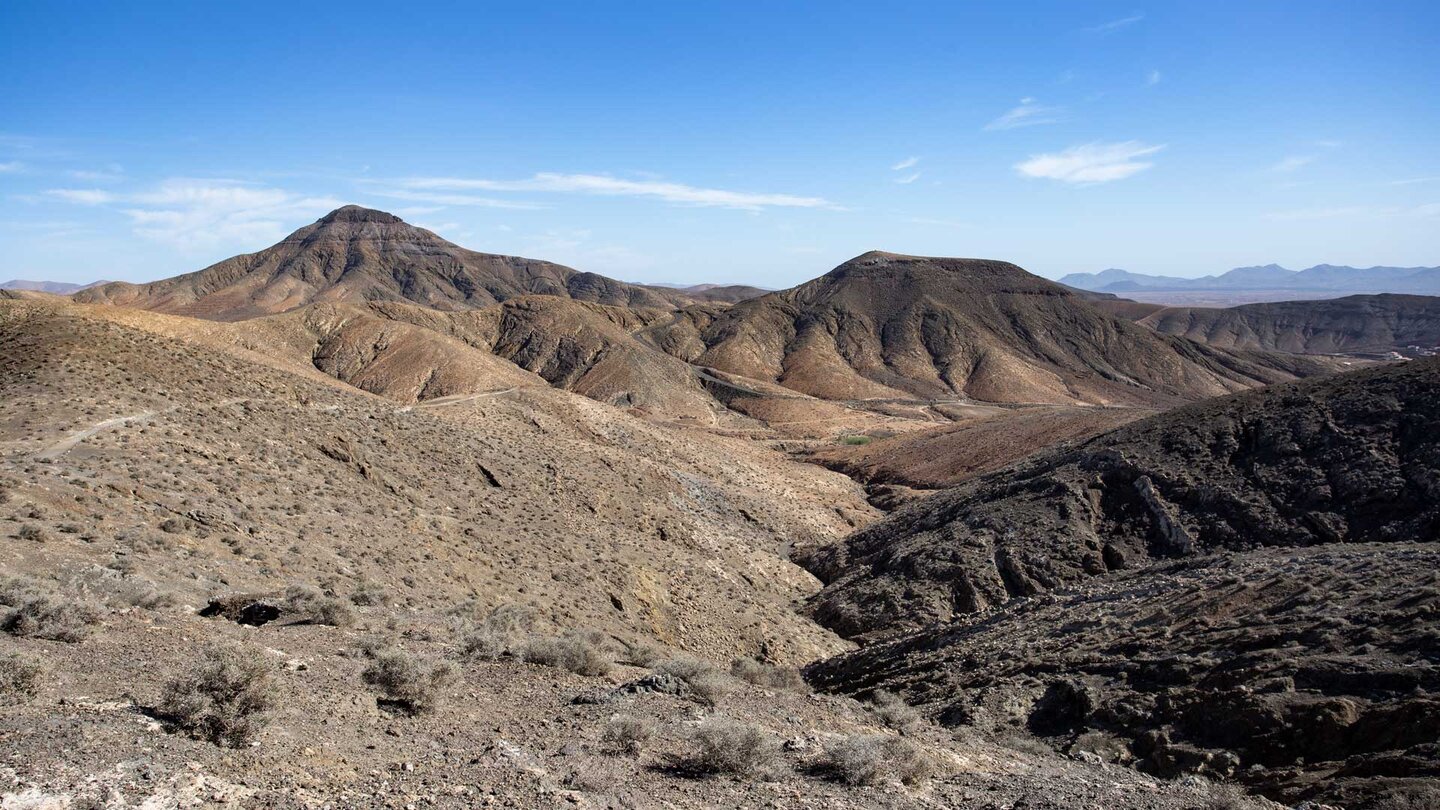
(1349, 458)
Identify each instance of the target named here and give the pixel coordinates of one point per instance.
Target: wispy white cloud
(193, 214)
(1114, 25)
(908, 179)
(1412, 181)
(440, 198)
(1027, 114)
(81, 196)
(12, 167)
(1292, 162)
(604, 185)
(1152, 78)
(905, 164)
(940, 223)
(111, 174)
(1091, 162)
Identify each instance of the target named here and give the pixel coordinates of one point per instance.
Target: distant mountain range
(56, 287)
(1320, 278)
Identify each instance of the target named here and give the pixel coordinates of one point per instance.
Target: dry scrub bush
(576, 651)
(411, 683)
(317, 608)
(224, 698)
(19, 679)
(767, 675)
(627, 734)
(370, 594)
(729, 747)
(502, 629)
(706, 681)
(881, 758)
(31, 611)
(640, 654)
(892, 710)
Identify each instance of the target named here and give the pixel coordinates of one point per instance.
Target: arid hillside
(1244, 588)
(356, 255)
(210, 473)
(1356, 324)
(234, 579)
(890, 326)
(1347, 458)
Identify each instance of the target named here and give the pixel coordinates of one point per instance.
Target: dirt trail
(456, 399)
(68, 443)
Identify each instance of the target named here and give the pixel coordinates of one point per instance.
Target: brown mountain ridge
(356, 254)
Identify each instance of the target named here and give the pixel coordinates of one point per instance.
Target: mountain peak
(359, 213)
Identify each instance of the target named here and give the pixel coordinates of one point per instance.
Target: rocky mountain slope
(210, 467)
(1243, 587)
(884, 325)
(1356, 324)
(1348, 458)
(357, 255)
(170, 487)
(1308, 674)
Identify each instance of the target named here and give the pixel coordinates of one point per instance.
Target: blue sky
(725, 142)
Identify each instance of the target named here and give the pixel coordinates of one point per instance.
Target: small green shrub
(855, 441)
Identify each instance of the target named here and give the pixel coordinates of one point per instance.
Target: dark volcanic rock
(1247, 588)
(1349, 458)
(1319, 665)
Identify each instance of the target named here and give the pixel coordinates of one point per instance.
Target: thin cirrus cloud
(907, 163)
(1152, 78)
(12, 167)
(440, 198)
(1291, 163)
(1114, 25)
(604, 185)
(908, 179)
(1027, 114)
(1090, 163)
(81, 196)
